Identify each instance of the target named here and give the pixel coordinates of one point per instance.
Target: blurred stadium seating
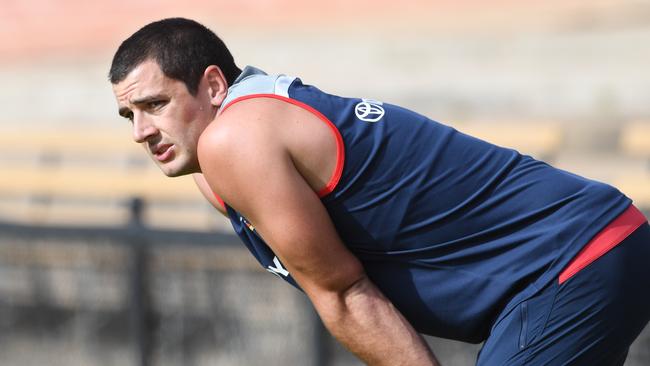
(635, 139)
(87, 177)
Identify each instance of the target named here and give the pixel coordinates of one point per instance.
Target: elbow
(347, 276)
(360, 285)
(335, 306)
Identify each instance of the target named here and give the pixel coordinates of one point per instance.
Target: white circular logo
(369, 110)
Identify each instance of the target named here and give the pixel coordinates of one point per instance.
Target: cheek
(194, 120)
(193, 114)
(190, 113)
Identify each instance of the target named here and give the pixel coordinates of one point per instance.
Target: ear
(217, 84)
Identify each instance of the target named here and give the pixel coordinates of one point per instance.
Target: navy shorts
(591, 318)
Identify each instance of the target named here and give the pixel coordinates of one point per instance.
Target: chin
(176, 171)
(174, 174)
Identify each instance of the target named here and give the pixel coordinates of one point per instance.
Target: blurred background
(103, 261)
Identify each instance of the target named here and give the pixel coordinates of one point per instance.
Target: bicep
(263, 184)
(297, 226)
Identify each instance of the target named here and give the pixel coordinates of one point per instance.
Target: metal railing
(138, 241)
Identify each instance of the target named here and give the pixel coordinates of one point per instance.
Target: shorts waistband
(614, 233)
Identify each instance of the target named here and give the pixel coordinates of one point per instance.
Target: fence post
(321, 341)
(140, 315)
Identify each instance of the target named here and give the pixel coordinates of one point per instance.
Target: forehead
(145, 79)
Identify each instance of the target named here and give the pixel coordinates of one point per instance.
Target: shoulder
(241, 143)
(257, 135)
(257, 123)
(250, 118)
(244, 133)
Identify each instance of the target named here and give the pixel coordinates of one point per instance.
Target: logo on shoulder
(369, 110)
(250, 226)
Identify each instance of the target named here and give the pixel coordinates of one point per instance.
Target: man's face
(167, 120)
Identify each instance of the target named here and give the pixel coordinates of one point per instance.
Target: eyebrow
(124, 111)
(147, 99)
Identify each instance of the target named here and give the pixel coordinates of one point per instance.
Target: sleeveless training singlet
(449, 227)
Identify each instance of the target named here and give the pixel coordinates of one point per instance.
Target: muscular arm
(264, 185)
(368, 324)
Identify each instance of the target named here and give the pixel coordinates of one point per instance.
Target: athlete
(391, 223)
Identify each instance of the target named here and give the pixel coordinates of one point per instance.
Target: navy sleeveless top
(450, 228)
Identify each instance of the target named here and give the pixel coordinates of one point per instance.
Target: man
(391, 223)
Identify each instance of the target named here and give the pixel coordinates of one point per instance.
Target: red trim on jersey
(340, 148)
(223, 204)
(605, 240)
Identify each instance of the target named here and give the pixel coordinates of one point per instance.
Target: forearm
(368, 324)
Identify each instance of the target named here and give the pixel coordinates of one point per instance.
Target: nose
(142, 128)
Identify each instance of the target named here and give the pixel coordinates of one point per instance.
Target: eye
(127, 115)
(155, 104)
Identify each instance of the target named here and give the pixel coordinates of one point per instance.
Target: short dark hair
(182, 48)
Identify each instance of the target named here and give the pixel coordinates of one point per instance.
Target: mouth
(163, 153)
